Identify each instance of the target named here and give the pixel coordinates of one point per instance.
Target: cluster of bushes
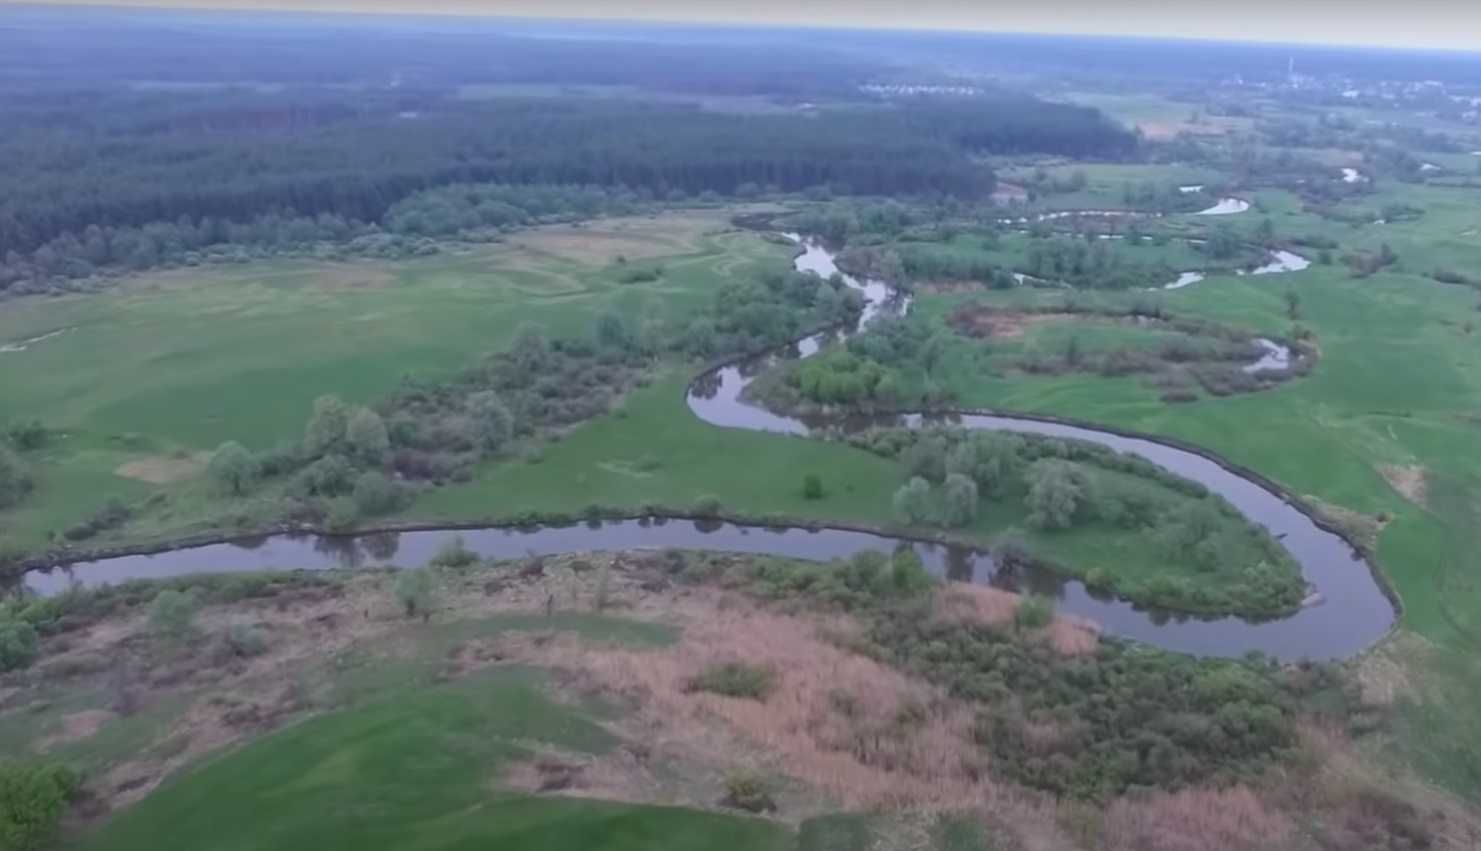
(1065, 484)
(1089, 726)
(1094, 727)
(69, 259)
(893, 363)
(474, 209)
(111, 515)
(752, 315)
(866, 580)
(1363, 264)
(1092, 265)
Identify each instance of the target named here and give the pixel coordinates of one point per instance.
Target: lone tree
(366, 435)
(913, 501)
(1055, 491)
(232, 467)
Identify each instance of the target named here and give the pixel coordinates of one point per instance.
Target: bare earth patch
(1407, 479)
(78, 726)
(980, 321)
(165, 469)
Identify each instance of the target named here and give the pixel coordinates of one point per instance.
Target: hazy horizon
(1420, 24)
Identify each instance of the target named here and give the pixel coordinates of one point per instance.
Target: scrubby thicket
(954, 474)
(109, 180)
(1086, 726)
(1209, 354)
(359, 462)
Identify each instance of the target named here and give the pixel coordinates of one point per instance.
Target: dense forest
(105, 179)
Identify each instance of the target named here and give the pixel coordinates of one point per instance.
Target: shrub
(172, 614)
(812, 486)
(375, 494)
(343, 514)
(27, 435)
(748, 792)
(708, 506)
(734, 679)
(33, 798)
(246, 641)
(413, 590)
(908, 573)
(18, 647)
(1033, 612)
(454, 554)
(15, 479)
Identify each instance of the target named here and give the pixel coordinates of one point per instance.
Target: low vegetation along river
(1347, 610)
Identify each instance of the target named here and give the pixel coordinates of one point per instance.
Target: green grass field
(170, 364)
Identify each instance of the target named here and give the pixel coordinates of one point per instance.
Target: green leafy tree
(927, 458)
(959, 500)
(1055, 492)
(232, 468)
(172, 614)
(33, 799)
(492, 418)
(990, 459)
(913, 501)
(375, 494)
(18, 645)
(326, 428)
(365, 432)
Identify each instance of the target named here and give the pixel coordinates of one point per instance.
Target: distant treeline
(124, 161)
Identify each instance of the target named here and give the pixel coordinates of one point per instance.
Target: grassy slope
(414, 771)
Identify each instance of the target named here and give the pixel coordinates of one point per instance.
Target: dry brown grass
(833, 721)
(987, 606)
(1407, 479)
(983, 321)
(164, 469)
(634, 237)
(1233, 819)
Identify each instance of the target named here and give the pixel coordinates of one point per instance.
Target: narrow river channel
(1348, 610)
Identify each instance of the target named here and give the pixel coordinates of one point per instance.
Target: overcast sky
(1399, 23)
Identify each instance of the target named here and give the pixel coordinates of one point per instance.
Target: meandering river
(1348, 610)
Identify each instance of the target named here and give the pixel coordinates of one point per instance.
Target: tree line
(228, 163)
